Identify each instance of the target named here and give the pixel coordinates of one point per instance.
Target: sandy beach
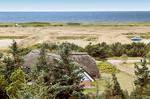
(80, 35)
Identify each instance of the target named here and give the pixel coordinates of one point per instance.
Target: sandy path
(7, 42)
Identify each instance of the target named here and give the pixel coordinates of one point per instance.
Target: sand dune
(80, 35)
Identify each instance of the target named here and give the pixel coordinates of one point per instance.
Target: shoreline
(46, 24)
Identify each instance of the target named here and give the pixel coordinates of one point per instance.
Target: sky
(74, 5)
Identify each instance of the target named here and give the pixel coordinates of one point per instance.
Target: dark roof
(83, 59)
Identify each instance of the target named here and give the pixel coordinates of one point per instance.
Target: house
(88, 63)
(87, 80)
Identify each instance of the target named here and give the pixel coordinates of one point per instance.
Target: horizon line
(76, 11)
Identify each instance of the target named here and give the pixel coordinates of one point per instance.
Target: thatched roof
(87, 62)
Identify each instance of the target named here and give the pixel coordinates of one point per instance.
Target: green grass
(13, 37)
(7, 24)
(45, 24)
(126, 82)
(31, 24)
(35, 24)
(101, 83)
(74, 24)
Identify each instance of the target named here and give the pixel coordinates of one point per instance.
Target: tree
(11, 73)
(117, 49)
(3, 94)
(12, 62)
(114, 90)
(14, 88)
(142, 82)
(101, 50)
(9, 68)
(17, 84)
(107, 92)
(16, 55)
(136, 49)
(36, 88)
(42, 60)
(65, 77)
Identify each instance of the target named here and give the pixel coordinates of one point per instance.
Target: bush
(73, 23)
(106, 67)
(103, 50)
(117, 49)
(100, 51)
(35, 24)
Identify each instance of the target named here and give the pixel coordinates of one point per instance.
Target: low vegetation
(13, 37)
(54, 47)
(34, 24)
(45, 24)
(103, 50)
(145, 35)
(106, 67)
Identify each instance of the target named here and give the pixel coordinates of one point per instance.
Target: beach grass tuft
(13, 37)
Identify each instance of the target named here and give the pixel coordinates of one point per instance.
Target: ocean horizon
(77, 17)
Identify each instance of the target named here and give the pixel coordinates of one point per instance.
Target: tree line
(103, 50)
(60, 80)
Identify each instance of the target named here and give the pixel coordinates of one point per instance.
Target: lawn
(125, 80)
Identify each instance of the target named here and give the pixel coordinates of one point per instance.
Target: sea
(77, 17)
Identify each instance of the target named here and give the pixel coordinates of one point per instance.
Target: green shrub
(55, 47)
(35, 24)
(103, 50)
(106, 67)
(73, 23)
(99, 51)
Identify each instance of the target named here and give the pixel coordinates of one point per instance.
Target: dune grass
(35, 24)
(83, 37)
(7, 24)
(45, 24)
(13, 37)
(91, 38)
(145, 35)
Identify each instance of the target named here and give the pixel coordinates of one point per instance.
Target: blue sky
(74, 5)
